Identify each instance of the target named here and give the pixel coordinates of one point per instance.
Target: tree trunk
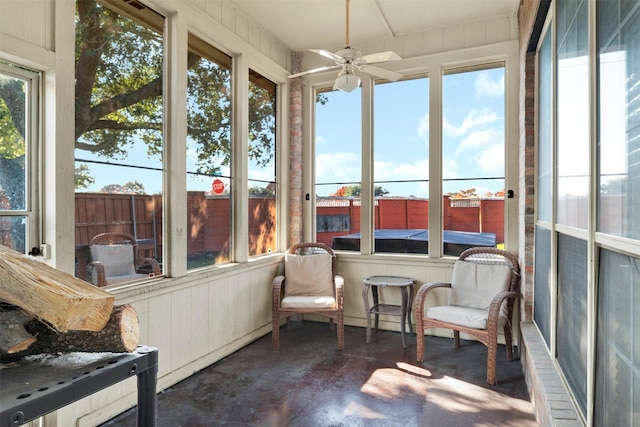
(59, 299)
(120, 335)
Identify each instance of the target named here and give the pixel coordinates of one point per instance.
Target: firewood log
(59, 299)
(14, 337)
(120, 335)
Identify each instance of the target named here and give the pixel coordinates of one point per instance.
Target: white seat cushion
(307, 275)
(117, 260)
(464, 316)
(308, 302)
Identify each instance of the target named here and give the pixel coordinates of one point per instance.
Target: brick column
(295, 153)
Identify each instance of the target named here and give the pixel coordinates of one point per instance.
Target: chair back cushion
(474, 285)
(308, 275)
(116, 259)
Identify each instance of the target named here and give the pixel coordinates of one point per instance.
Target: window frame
(433, 66)
(33, 154)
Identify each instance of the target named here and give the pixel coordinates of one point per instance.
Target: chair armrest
(97, 269)
(277, 290)
(495, 306)
(421, 296)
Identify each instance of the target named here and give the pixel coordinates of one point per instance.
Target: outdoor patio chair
(484, 288)
(309, 285)
(114, 259)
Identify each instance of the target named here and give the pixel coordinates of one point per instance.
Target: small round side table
(405, 285)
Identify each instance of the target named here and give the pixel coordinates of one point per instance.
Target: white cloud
(474, 119)
(480, 138)
(337, 167)
(487, 87)
(387, 171)
(491, 160)
(423, 128)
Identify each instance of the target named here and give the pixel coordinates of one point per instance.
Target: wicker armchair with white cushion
(114, 260)
(309, 285)
(484, 289)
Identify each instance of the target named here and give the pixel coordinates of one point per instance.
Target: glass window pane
(545, 130)
(262, 164)
(542, 280)
(208, 155)
(119, 122)
(573, 114)
(619, 119)
(401, 165)
(618, 342)
(15, 154)
(572, 333)
(338, 168)
(473, 162)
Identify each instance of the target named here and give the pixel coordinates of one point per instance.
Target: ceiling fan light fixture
(347, 81)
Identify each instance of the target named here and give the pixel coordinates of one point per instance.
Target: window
(618, 354)
(19, 125)
(208, 155)
(572, 74)
(119, 122)
(398, 163)
(338, 162)
(262, 165)
(473, 158)
(619, 119)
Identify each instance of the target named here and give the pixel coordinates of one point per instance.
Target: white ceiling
(305, 24)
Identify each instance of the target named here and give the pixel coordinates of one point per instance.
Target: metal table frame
(33, 388)
(405, 285)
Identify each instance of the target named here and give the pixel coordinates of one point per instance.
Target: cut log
(120, 335)
(59, 299)
(13, 335)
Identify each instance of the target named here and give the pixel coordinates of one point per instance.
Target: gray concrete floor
(309, 383)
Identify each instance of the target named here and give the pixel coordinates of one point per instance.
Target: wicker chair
(115, 260)
(309, 285)
(484, 289)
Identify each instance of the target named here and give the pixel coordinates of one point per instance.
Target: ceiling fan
(350, 60)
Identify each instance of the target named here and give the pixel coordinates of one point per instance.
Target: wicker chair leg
(491, 361)
(420, 342)
(508, 342)
(331, 325)
(340, 332)
(456, 338)
(275, 333)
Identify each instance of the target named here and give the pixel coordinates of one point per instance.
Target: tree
(130, 187)
(82, 177)
(355, 191)
(119, 96)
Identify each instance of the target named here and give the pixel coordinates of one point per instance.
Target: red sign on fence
(217, 186)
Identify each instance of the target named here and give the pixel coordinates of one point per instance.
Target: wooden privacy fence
(208, 223)
(209, 227)
(339, 216)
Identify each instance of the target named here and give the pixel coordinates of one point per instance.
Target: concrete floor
(309, 383)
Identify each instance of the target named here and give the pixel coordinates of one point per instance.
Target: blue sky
(473, 138)
(473, 135)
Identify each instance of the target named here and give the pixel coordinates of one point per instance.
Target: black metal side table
(36, 386)
(405, 285)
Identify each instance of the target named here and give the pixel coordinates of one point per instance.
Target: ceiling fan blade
(330, 55)
(315, 70)
(380, 57)
(380, 72)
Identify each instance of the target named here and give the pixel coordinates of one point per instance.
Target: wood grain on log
(57, 298)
